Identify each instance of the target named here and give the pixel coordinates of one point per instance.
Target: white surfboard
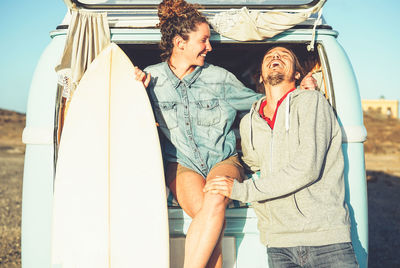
(109, 205)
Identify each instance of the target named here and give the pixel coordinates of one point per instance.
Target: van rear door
(207, 4)
(143, 13)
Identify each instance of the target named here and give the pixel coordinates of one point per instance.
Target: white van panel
(37, 192)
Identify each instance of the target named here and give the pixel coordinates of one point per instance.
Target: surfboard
(109, 207)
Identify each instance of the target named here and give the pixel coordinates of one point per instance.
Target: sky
(368, 31)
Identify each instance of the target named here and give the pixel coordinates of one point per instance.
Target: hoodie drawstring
(287, 113)
(251, 128)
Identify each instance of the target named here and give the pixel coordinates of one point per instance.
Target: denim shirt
(196, 113)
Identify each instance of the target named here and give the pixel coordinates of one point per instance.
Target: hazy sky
(368, 30)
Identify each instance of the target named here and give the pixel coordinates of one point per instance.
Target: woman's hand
(308, 82)
(219, 185)
(142, 77)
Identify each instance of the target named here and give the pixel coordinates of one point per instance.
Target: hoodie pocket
(286, 215)
(297, 205)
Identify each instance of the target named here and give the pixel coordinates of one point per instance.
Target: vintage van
(132, 26)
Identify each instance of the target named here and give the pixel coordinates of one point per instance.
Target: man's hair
(177, 18)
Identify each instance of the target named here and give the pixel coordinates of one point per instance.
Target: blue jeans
(335, 255)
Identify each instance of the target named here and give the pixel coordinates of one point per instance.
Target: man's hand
(219, 185)
(308, 82)
(142, 77)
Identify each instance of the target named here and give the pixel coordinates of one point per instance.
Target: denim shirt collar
(188, 79)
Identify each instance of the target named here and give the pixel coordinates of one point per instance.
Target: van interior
(242, 59)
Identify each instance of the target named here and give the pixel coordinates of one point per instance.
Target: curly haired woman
(195, 104)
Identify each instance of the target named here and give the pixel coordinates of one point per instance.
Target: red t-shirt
(261, 110)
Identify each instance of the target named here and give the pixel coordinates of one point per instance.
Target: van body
(133, 28)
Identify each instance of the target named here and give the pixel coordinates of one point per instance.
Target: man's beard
(275, 79)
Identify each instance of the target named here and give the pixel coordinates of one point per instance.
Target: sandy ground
(383, 174)
(11, 167)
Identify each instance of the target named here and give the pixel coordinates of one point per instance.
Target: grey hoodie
(299, 197)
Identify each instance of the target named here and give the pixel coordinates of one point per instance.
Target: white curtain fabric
(244, 25)
(88, 34)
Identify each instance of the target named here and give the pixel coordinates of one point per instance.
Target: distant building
(386, 107)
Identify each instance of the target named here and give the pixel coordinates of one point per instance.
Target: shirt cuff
(237, 190)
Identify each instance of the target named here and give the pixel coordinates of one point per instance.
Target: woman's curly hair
(177, 17)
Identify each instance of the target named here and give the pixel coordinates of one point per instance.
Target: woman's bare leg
(216, 259)
(234, 172)
(203, 240)
(204, 231)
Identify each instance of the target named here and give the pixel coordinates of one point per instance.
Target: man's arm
(315, 130)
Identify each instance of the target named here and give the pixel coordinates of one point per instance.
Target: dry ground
(383, 172)
(11, 168)
(382, 157)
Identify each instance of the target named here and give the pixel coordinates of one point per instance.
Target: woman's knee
(215, 203)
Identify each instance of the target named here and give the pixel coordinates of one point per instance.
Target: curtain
(88, 34)
(244, 25)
